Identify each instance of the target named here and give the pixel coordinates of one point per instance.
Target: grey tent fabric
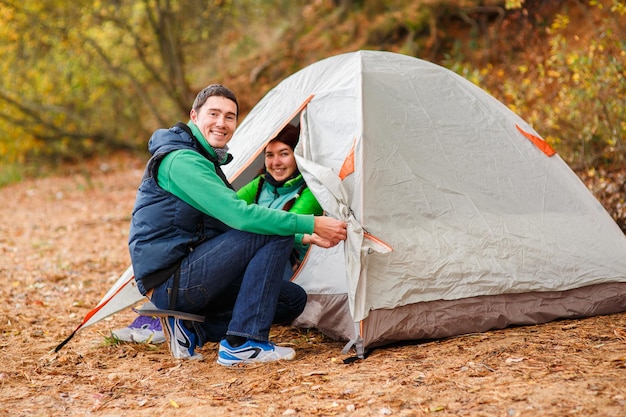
(449, 204)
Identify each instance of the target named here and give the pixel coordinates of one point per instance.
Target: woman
(282, 187)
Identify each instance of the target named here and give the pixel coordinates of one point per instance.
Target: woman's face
(279, 160)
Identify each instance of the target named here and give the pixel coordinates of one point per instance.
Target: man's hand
(330, 230)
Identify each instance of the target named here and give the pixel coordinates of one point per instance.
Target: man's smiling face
(217, 120)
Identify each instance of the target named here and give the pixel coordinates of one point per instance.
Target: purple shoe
(144, 329)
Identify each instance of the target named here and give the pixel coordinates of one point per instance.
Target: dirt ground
(62, 245)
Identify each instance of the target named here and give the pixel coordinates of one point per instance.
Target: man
(193, 241)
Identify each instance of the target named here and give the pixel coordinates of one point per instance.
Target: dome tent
(461, 218)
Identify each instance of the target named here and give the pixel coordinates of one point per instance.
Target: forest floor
(63, 244)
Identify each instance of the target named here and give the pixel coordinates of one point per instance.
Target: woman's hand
(330, 231)
(314, 239)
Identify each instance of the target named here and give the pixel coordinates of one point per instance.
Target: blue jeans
(235, 278)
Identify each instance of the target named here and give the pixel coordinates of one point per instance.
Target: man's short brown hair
(214, 90)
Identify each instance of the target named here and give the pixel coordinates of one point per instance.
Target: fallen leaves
(549, 370)
(620, 332)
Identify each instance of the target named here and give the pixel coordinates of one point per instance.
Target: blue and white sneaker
(253, 351)
(182, 341)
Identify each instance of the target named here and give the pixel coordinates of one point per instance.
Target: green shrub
(576, 96)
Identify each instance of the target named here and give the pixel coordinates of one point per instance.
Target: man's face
(217, 120)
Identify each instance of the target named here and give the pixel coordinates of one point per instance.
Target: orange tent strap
(348, 164)
(540, 143)
(373, 238)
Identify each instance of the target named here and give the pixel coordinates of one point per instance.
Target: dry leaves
(63, 243)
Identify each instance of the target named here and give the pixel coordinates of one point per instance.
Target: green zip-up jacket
(277, 197)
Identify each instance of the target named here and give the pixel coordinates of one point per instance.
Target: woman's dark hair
(289, 135)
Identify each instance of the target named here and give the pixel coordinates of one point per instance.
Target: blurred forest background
(91, 77)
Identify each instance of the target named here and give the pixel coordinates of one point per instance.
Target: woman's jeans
(236, 281)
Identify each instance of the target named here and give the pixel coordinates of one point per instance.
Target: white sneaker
(252, 351)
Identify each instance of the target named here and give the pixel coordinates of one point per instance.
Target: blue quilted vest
(164, 229)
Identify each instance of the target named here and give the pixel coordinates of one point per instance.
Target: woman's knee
(293, 296)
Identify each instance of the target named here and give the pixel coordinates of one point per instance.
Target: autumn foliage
(84, 77)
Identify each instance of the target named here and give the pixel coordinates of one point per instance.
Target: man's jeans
(236, 281)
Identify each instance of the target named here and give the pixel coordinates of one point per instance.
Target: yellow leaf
(174, 404)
